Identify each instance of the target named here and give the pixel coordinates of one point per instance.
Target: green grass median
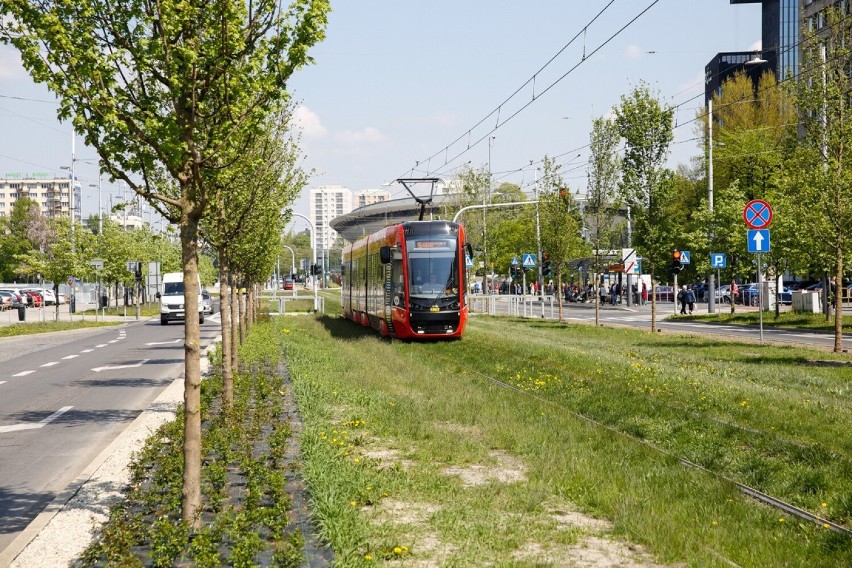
(528, 441)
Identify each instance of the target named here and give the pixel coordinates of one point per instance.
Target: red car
(288, 283)
(35, 299)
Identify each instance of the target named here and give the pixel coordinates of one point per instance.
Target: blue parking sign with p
(718, 260)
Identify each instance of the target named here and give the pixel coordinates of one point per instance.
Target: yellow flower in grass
(368, 557)
(352, 503)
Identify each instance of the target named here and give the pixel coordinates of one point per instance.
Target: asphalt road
(64, 397)
(640, 317)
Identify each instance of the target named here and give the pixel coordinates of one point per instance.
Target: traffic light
(316, 270)
(676, 265)
(545, 265)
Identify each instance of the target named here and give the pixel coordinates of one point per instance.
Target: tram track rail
(752, 492)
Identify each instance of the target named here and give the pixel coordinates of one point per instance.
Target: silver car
(206, 302)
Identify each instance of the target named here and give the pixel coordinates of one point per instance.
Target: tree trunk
(235, 321)
(225, 312)
(191, 493)
(838, 303)
(243, 315)
(654, 297)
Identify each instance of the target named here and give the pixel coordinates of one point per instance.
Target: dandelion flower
(352, 503)
(397, 550)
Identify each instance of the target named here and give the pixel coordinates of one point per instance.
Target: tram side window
(396, 273)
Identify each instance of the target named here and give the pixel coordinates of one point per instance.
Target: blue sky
(397, 81)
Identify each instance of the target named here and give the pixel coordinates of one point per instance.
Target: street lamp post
(313, 254)
(538, 246)
(73, 299)
(292, 267)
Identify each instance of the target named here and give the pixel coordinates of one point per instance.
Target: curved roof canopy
(370, 218)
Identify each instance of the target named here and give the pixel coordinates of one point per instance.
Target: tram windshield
(433, 267)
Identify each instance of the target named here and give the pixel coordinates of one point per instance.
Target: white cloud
(633, 51)
(309, 122)
(368, 135)
(757, 46)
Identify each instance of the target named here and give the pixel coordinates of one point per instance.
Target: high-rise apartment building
(369, 197)
(53, 195)
(328, 202)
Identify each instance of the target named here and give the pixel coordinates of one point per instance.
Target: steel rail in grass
(750, 491)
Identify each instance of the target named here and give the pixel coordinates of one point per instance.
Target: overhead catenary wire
(586, 55)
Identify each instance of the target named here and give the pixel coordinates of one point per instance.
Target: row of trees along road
(34, 247)
(182, 100)
(785, 142)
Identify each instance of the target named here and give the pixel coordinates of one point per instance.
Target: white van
(172, 300)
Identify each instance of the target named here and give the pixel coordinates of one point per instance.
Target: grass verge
(482, 452)
(815, 322)
(48, 326)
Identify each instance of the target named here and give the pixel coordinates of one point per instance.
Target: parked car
(7, 299)
(664, 293)
(207, 302)
(785, 296)
(35, 299)
(62, 299)
(17, 299)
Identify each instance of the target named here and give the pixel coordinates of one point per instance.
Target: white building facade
(328, 202)
(52, 194)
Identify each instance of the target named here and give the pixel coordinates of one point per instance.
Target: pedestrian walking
(644, 293)
(690, 299)
(681, 297)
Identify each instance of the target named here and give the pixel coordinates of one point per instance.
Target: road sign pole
(760, 295)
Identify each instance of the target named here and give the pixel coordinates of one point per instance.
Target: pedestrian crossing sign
(529, 260)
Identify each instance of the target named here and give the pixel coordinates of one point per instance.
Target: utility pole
(711, 280)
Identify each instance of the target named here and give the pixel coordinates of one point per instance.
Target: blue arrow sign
(718, 260)
(529, 260)
(758, 240)
(685, 258)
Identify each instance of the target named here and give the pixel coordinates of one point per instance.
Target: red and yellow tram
(408, 280)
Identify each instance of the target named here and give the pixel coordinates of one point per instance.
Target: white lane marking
(23, 373)
(114, 341)
(101, 345)
(164, 342)
(1, 382)
(86, 350)
(41, 424)
(139, 364)
(71, 357)
(51, 364)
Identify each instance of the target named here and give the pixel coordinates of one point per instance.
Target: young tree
(561, 239)
(646, 128)
(161, 91)
(821, 176)
(602, 198)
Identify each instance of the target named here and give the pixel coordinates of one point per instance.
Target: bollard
(22, 313)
